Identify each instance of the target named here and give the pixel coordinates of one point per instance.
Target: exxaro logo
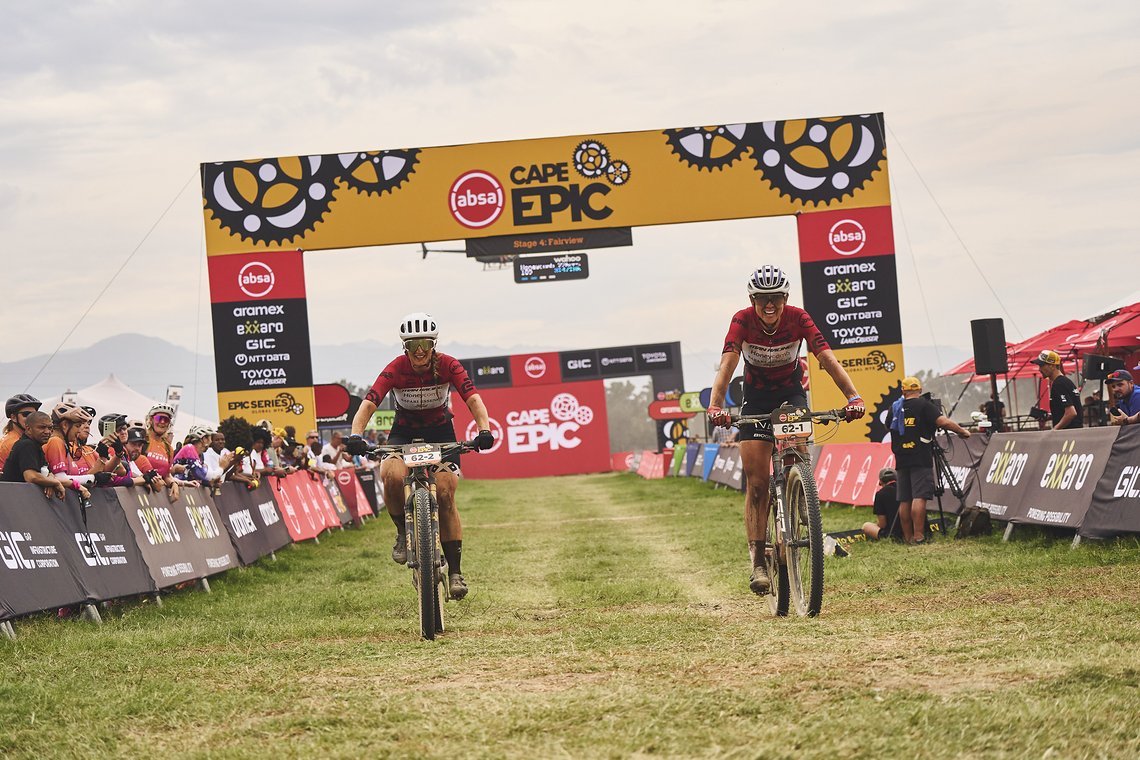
(1007, 465)
(256, 279)
(847, 237)
(528, 430)
(476, 199)
(1066, 470)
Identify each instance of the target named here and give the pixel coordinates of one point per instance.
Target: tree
(627, 407)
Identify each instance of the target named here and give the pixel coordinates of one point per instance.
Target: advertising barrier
(848, 473)
(689, 465)
(251, 518)
(180, 540)
(110, 564)
(368, 483)
(303, 519)
(1042, 478)
(678, 458)
(620, 461)
(353, 494)
(35, 571)
(726, 469)
(709, 459)
(964, 457)
(539, 430)
(1115, 506)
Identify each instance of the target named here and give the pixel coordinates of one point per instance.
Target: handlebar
(445, 448)
(824, 417)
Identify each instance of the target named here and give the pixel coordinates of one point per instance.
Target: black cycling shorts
(759, 402)
(444, 433)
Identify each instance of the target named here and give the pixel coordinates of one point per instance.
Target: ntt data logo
(847, 237)
(476, 199)
(256, 279)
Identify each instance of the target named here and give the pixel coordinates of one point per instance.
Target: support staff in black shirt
(911, 439)
(1064, 401)
(26, 462)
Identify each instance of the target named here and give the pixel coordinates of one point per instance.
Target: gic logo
(847, 237)
(528, 430)
(256, 279)
(476, 199)
(535, 367)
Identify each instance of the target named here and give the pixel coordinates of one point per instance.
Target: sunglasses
(161, 418)
(25, 414)
(419, 344)
(761, 298)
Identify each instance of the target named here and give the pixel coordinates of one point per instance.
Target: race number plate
(797, 431)
(426, 455)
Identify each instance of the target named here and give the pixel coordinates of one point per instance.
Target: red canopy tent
(1057, 338)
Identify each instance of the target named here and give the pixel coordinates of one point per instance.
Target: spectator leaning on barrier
(17, 410)
(189, 458)
(26, 462)
(1064, 401)
(67, 457)
(217, 458)
(159, 450)
(886, 509)
(1126, 398)
(912, 421)
(333, 455)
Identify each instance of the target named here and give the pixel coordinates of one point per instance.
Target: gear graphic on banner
(709, 147)
(378, 171)
(591, 159)
(617, 173)
(269, 200)
(877, 415)
(817, 161)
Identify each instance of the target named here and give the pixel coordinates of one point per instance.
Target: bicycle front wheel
(425, 572)
(775, 559)
(804, 540)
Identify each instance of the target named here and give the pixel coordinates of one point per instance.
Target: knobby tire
(805, 563)
(426, 587)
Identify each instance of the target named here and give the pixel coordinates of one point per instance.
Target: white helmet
(418, 325)
(161, 408)
(769, 280)
(198, 432)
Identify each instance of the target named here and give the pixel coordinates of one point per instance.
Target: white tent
(114, 396)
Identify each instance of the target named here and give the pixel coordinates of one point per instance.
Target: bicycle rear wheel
(804, 541)
(425, 571)
(775, 561)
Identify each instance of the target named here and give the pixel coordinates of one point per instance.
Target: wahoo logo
(1065, 470)
(256, 279)
(1007, 466)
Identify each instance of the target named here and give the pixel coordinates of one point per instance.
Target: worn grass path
(609, 617)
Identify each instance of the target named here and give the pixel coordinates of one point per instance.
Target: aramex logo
(476, 199)
(847, 237)
(535, 367)
(256, 279)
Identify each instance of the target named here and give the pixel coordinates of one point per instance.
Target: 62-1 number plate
(423, 457)
(798, 430)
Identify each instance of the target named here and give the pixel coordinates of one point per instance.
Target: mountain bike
(794, 559)
(421, 525)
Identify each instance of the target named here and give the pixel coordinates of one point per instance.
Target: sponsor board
(534, 369)
(554, 268)
(539, 431)
(258, 277)
(579, 365)
(263, 345)
(848, 473)
(876, 372)
(281, 406)
(853, 303)
(546, 185)
(846, 235)
(489, 372)
(512, 245)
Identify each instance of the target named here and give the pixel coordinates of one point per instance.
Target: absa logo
(256, 279)
(476, 199)
(847, 237)
(535, 367)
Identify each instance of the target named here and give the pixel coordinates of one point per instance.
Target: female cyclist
(159, 421)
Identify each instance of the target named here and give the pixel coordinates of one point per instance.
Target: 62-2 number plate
(423, 457)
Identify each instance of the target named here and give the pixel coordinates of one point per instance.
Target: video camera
(1038, 413)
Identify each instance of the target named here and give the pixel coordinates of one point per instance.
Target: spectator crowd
(58, 450)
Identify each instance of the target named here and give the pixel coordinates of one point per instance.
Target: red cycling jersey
(421, 400)
(772, 361)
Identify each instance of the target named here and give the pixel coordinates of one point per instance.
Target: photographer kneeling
(912, 421)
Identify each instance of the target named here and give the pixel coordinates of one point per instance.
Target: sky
(1012, 143)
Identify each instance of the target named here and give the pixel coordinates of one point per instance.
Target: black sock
(453, 551)
(398, 521)
(756, 551)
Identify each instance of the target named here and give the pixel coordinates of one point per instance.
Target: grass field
(609, 617)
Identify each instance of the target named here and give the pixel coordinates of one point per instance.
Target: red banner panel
(269, 276)
(535, 369)
(303, 517)
(352, 493)
(543, 430)
(848, 473)
(621, 460)
(847, 234)
(668, 410)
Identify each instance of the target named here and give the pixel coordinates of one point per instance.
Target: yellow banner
(281, 406)
(875, 370)
(557, 184)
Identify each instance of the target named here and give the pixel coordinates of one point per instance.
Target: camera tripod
(943, 474)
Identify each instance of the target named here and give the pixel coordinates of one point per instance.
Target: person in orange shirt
(159, 421)
(17, 410)
(63, 451)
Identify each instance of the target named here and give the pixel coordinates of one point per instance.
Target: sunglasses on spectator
(762, 298)
(419, 344)
(161, 418)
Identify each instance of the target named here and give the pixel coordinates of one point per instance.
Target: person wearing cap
(1126, 410)
(26, 462)
(1064, 401)
(912, 421)
(17, 409)
(886, 509)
